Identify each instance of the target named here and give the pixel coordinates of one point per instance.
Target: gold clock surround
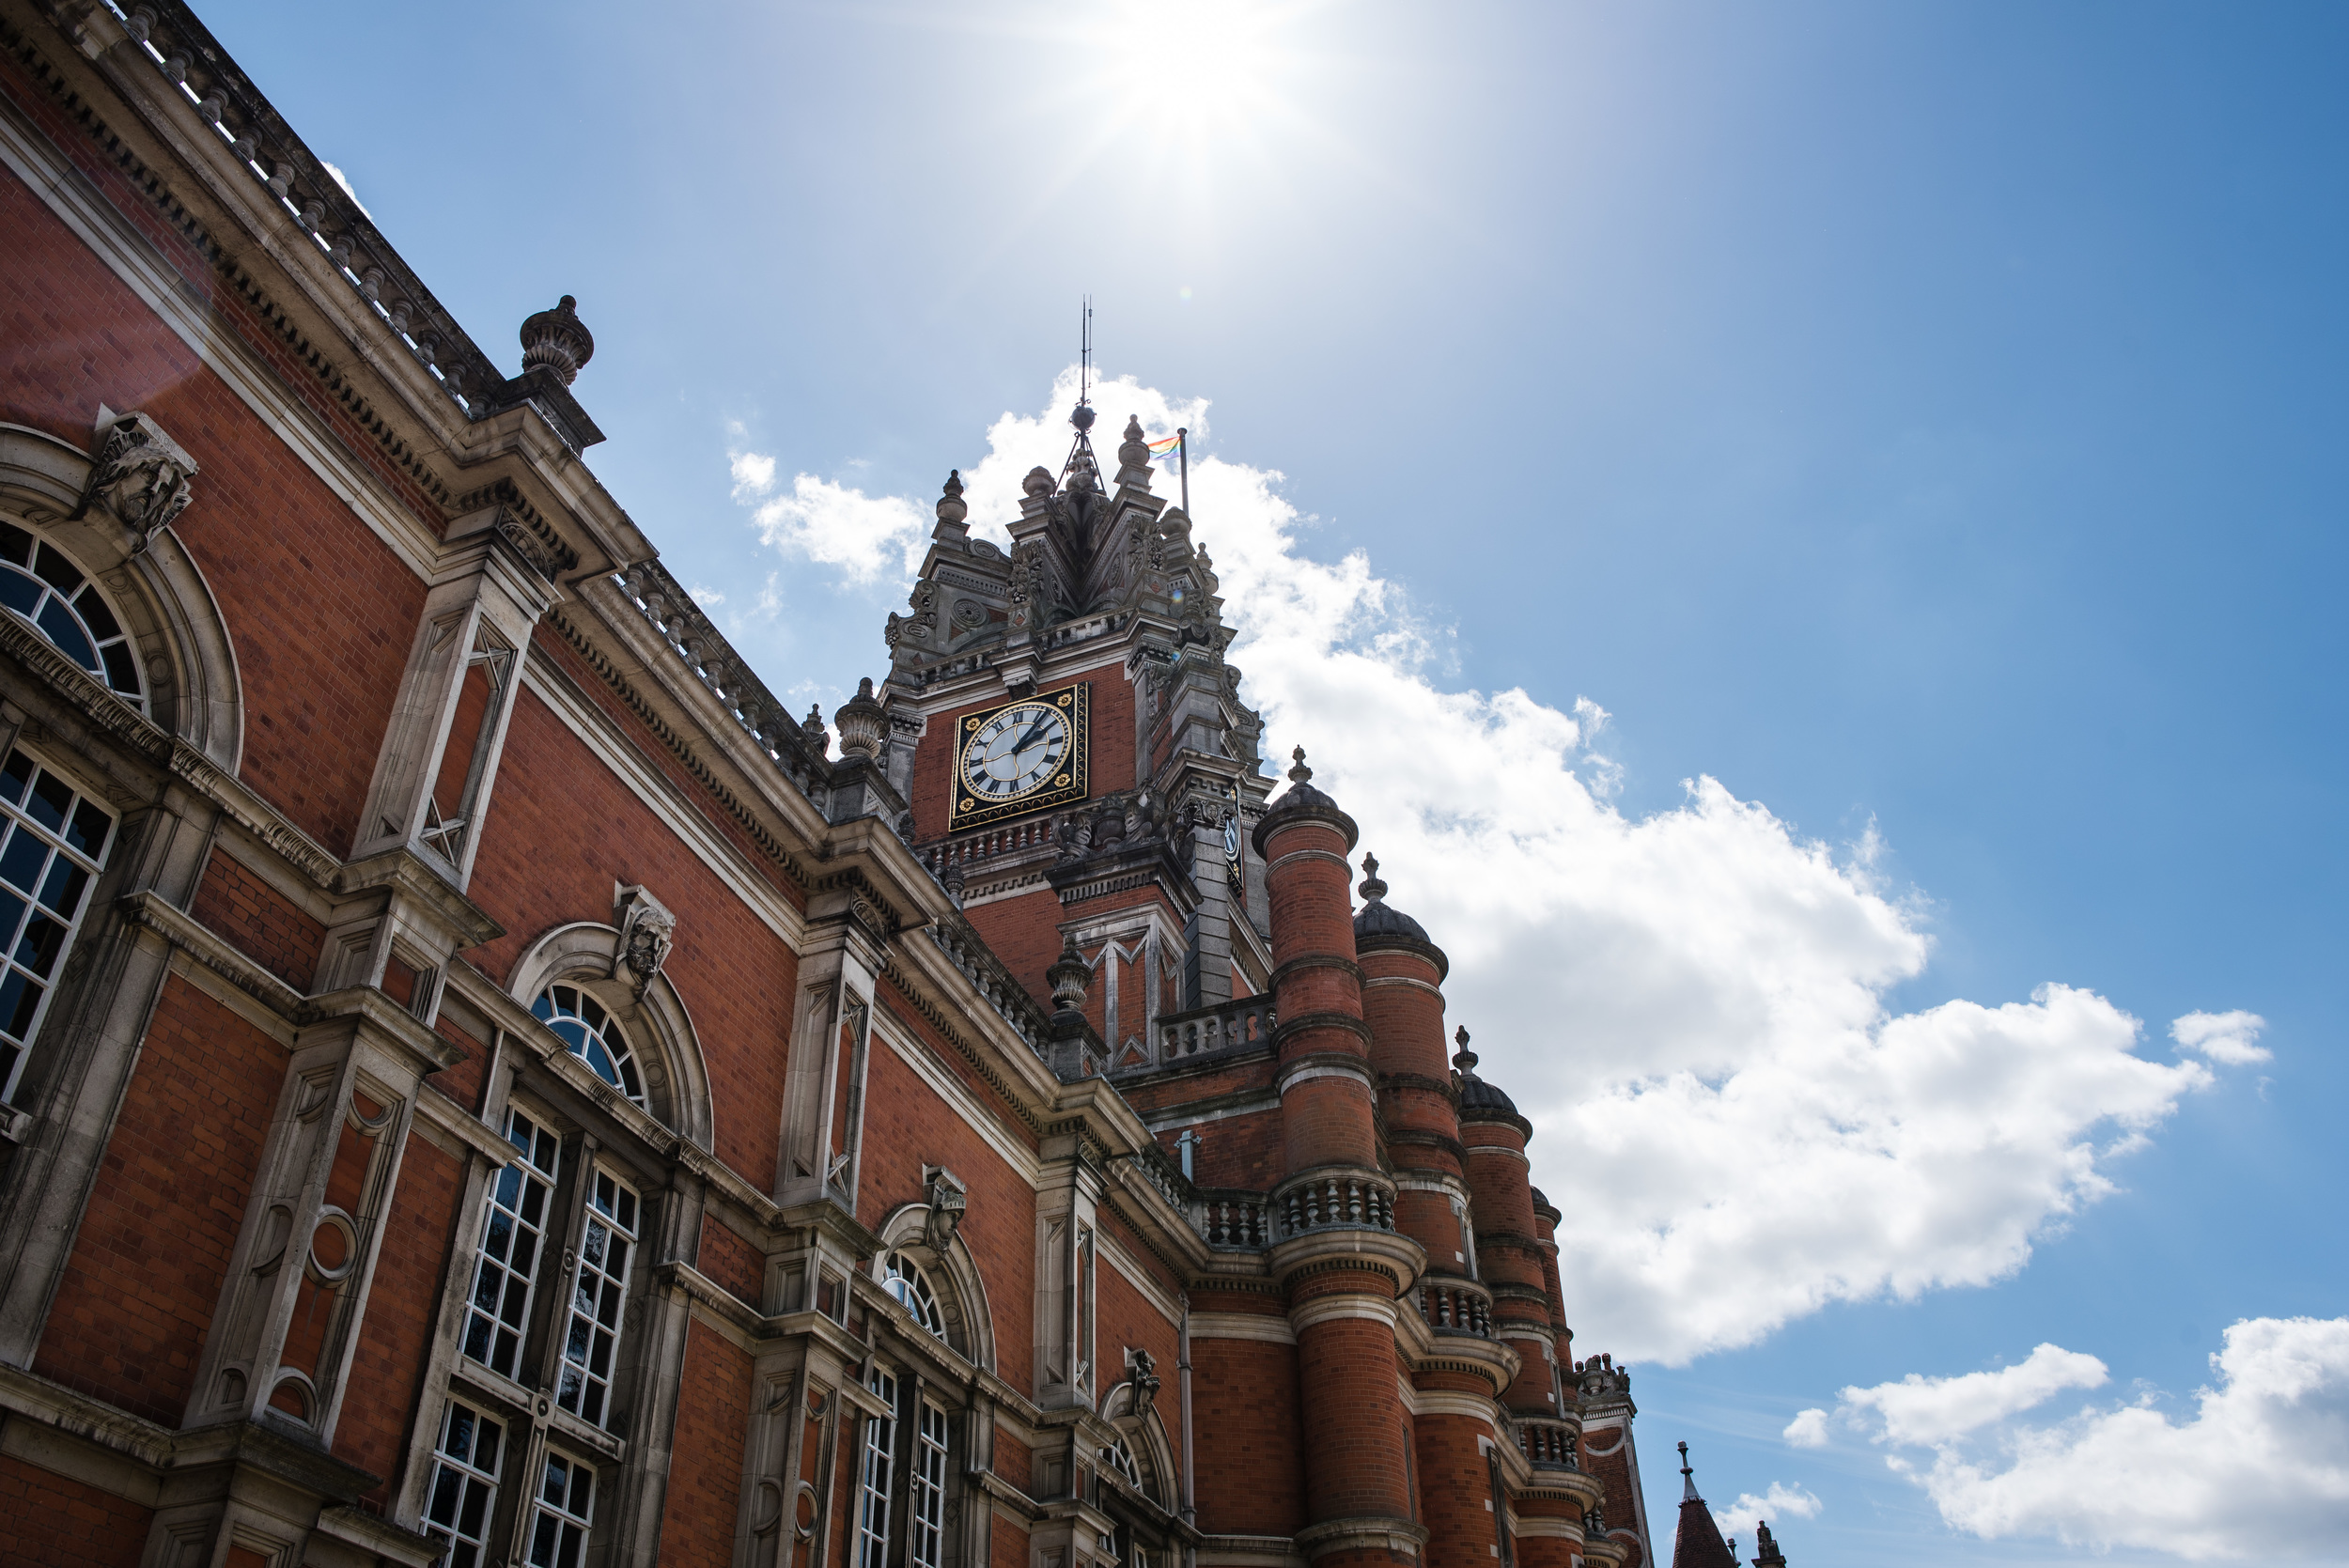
(1072, 782)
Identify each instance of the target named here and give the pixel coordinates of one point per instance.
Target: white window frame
(926, 1490)
(562, 1512)
(563, 1017)
(116, 652)
(873, 1475)
(598, 1309)
(61, 869)
(468, 1479)
(511, 1191)
(908, 1284)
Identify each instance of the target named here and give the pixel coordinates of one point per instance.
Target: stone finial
(1372, 888)
(1464, 1058)
(1135, 452)
(1038, 482)
(1301, 774)
(1067, 977)
(952, 508)
(558, 339)
(862, 722)
(811, 731)
(1687, 1477)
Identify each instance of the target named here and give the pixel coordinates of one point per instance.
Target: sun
(1195, 69)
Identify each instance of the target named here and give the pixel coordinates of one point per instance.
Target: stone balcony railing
(1238, 1025)
(1549, 1445)
(1231, 1219)
(1455, 1306)
(1324, 1202)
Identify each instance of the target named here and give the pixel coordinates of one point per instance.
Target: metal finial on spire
(1464, 1058)
(1687, 1477)
(1300, 773)
(1372, 888)
(1082, 416)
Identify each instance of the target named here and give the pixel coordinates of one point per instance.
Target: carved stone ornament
(1141, 1376)
(948, 1200)
(647, 930)
(140, 474)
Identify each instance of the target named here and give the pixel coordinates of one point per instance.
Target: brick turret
(1509, 1254)
(1699, 1543)
(1339, 1260)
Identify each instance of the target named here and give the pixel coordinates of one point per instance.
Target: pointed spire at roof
(1699, 1543)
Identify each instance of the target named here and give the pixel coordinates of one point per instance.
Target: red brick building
(485, 1083)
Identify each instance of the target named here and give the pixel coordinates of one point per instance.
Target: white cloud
(1689, 1006)
(707, 598)
(865, 536)
(1779, 1502)
(1928, 1410)
(1808, 1429)
(344, 181)
(754, 474)
(2228, 1037)
(2259, 1471)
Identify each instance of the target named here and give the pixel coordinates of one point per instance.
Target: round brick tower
(1338, 1255)
(1402, 974)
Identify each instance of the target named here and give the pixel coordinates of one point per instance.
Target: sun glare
(1197, 67)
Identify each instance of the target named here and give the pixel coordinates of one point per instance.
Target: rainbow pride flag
(1160, 448)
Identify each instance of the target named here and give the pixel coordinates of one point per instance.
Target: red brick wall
(732, 1261)
(258, 922)
(706, 1465)
(462, 1082)
(1244, 1403)
(562, 829)
(654, 750)
(1025, 932)
(46, 1518)
(1454, 1486)
(906, 1126)
(139, 1290)
(320, 611)
(397, 1335)
(1123, 1319)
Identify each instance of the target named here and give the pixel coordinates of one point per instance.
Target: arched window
(39, 583)
(1119, 1456)
(903, 1278)
(594, 1037)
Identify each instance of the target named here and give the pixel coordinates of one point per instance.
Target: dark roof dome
(1379, 924)
(1303, 799)
(1376, 918)
(1488, 1102)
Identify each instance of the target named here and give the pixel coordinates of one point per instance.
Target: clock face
(1020, 757)
(1231, 839)
(1015, 752)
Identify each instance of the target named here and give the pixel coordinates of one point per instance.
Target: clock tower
(1081, 771)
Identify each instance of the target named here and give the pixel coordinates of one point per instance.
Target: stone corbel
(647, 931)
(948, 1200)
(139, 473)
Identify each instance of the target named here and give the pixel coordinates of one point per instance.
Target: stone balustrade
(1455, 1306)
(184, 51)
(1548, 1444)
(1239, 1220)
(1234, 1026)
(1325, 1203)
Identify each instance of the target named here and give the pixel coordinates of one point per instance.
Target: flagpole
(1182, 448)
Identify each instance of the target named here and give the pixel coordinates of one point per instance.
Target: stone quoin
(484, 1083)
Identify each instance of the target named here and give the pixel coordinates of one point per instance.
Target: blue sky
(1925, 422)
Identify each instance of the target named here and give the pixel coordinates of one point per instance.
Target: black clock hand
(1028, 740)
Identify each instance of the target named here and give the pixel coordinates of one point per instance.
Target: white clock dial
(1015, 752)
